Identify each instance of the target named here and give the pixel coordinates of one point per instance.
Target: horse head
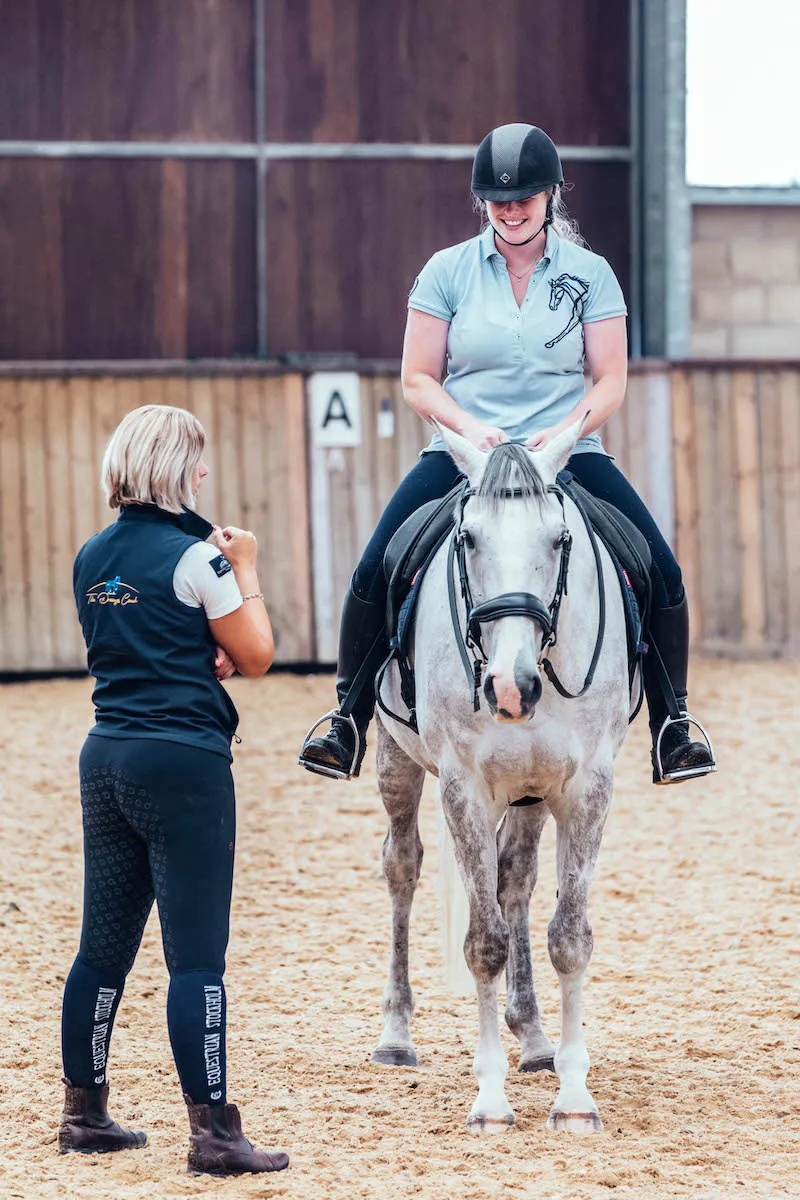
(511, 538)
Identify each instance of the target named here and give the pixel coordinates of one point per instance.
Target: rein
(517, 604)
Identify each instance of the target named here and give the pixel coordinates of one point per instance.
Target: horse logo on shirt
(576, 290)
(113, 591)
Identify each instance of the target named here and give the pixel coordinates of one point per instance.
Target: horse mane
(510, 466)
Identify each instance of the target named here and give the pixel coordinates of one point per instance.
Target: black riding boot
(678, 757)
(361, 632)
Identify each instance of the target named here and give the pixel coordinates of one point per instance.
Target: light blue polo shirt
(518, 368)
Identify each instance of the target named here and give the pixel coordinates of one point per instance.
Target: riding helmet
(514, 162)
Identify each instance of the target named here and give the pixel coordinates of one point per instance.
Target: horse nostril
(536, 689)
(489, 692)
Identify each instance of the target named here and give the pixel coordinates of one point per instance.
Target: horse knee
(402, 860)
(486, 948)
(570, 942)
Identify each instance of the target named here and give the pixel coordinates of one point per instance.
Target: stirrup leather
(320, 768)
(683, 772)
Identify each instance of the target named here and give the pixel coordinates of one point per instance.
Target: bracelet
(253, 596)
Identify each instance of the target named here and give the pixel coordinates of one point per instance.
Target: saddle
(413, 547)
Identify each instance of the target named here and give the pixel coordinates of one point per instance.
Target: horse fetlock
(486, 948)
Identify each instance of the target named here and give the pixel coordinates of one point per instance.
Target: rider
(513, 314)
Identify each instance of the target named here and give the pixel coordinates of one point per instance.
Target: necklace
(519, 278)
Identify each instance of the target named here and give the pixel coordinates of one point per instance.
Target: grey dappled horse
(526, 741)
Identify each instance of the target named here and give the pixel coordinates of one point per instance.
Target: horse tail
(454, 915)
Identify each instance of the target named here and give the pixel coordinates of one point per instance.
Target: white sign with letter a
(335, 406)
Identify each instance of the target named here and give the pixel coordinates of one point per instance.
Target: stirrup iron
(320, 768)
(683, 772)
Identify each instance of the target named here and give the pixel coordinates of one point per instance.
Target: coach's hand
(238, 545)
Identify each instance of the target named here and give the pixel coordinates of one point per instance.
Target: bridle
(516, 604)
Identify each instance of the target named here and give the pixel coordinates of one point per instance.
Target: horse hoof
(581, 1123)
(538, 1064)
(395, 1056)
(479, 1123)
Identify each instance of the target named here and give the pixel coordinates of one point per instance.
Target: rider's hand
(238, 545)
(224, 665)
(482, 436)
(540, 439)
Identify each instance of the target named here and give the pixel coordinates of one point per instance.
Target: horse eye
(468, 539)
(562, 538)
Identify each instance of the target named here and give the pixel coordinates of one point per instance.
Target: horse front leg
(400, 780)
(569, 940)
(518, 861)
(485, 946)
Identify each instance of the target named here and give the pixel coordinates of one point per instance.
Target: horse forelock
(510, 467)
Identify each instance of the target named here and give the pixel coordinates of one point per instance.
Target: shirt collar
(488, 247)
(190, 522)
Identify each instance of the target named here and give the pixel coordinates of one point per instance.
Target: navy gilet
(152, 656)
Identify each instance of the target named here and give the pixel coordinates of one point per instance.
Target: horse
(575, 290)
(531, 732)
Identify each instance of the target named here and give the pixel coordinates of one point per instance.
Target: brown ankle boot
(86, 1127)
(217, 1145)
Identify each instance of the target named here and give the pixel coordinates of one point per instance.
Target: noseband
(516, 604)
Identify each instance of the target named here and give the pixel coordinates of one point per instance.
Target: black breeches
(159, 823)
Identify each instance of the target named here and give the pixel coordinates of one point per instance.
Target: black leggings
(436, 473)
(158, 823)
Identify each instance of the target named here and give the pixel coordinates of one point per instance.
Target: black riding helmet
(514, 162)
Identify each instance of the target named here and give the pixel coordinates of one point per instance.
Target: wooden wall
(714, 452)
(347, 239)
(52, 435)
(156, 258)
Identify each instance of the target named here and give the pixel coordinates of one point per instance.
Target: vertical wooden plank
(228, 441)
(67, 642)
(285, 538)
(771, 509)
(104, 422)
(656, 386)
(789, 392)
(13, 609)
(36, 515)
(707, 533)
(385, 400)
(686, 502)
(200, 401)
(364, 497)
(746, 443)
(127, 396)
(724, 516)
(250, 452)
(83, 473)
(635, 464)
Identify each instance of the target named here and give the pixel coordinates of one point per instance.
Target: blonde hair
(151, 458)
(562, 222)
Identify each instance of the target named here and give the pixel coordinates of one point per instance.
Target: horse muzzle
(512, 700)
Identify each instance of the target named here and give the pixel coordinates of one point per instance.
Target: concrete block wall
(745, 282)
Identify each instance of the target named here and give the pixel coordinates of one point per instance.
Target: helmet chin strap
(548, 220)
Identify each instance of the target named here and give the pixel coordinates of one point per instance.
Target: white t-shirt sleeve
(204, 579)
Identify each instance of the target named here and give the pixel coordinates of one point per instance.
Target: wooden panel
(129, 69)
(789, 402)
(111, 259)
(221, 280)
(446, 70)
(334, 291)
(684, 458)
(746, 446)
(67, 644)
(31, 286)
(771, 509)
(13, 548)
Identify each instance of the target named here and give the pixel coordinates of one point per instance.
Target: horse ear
(467, 457)
(556, 454)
